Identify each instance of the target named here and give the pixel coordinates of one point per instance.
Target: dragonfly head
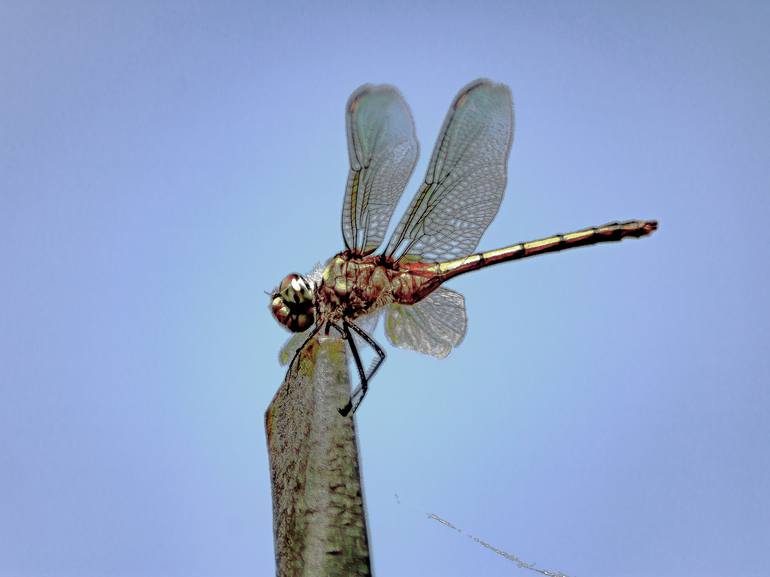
(293, 303)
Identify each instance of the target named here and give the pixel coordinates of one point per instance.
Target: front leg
(313, 333)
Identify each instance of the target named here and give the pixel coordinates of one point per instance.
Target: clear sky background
(162, 164)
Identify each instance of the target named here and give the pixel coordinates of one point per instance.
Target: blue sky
(161, 165)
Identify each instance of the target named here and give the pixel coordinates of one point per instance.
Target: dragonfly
(434, 241)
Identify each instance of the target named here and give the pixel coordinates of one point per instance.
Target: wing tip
(480, 83)
(369, 88)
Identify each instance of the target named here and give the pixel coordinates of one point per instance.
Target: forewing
(432, 326)
(465, 180)
(382, 147)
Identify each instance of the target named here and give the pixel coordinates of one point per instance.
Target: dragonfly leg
(313, 333)
(352, 404)
(344, 411)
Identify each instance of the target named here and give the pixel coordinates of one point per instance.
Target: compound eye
(296, 290)
(280, 310)
(290, 281)
(293, 303)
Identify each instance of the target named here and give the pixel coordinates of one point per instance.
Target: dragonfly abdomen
(611, 232)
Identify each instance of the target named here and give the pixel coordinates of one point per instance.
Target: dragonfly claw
(345, 411)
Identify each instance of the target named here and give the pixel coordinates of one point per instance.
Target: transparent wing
(465, 180)
(432, 326)
(369, 322)
(382, 147)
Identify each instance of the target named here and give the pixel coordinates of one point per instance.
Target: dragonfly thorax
(293, 303)
(353, 286)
